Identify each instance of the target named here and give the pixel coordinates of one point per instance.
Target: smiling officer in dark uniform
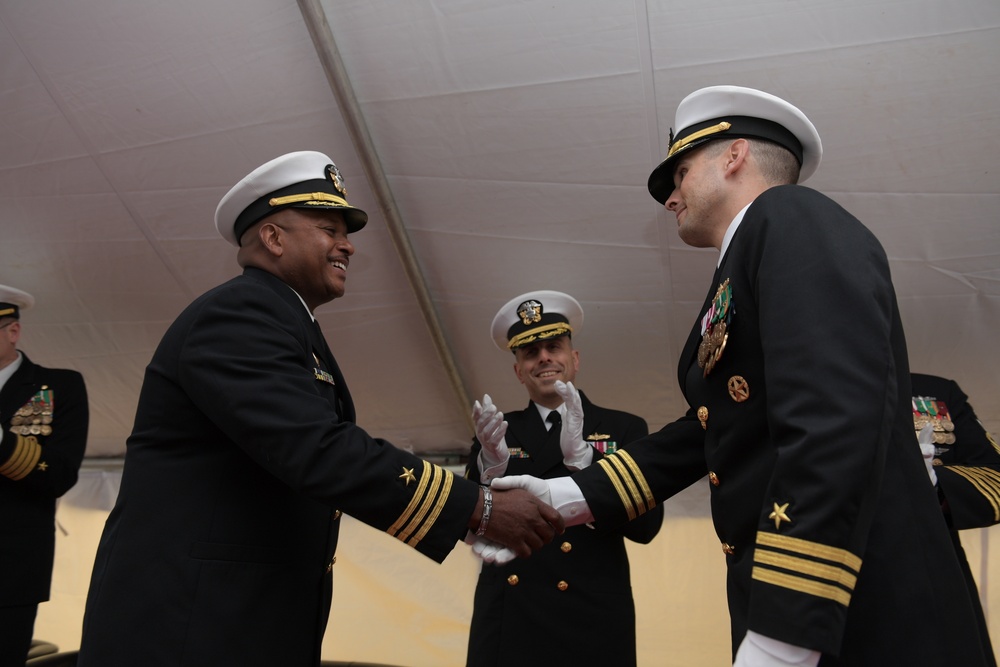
(44, 418)
(220, 548)
(581, 581)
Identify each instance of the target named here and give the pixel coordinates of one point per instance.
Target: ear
(736, 156)
(14, 332)
(271, 238)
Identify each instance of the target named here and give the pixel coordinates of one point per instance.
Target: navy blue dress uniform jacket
(220, 548)
(36, 468)
(577, 585)
(968, 474)
(831, 531)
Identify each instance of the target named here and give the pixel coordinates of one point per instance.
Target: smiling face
(314, 253)
(538, 365)
(698, 196)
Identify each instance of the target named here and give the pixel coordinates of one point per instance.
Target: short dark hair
(776, 163)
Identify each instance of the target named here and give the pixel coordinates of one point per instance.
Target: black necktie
(555, 419)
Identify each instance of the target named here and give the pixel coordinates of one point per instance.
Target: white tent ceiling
(515, 139)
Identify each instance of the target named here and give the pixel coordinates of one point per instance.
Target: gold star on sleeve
(408, 475)
(779, 514)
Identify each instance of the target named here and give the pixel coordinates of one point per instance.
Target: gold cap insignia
(530, 312)
(337, 179)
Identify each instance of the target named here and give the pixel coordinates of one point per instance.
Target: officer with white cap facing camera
(585, 575)
(798, 383)
(220, 548)
(43, 434)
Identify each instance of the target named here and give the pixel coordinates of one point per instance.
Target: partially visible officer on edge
(220, 548)
(44, 418)
(582, 581)
(798, 382)
(964, 466)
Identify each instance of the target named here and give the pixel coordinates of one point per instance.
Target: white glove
(756, 650)
(488, 550)
(927, 448)
(577, 454)
(538, 487)
(490, 431)
(561, 493)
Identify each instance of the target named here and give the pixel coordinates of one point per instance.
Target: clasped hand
(522, 522)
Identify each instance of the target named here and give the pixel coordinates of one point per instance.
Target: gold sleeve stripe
(802, 585)
(812, 549)
(986, 481)
(629, 482)
(623, 466)
(426, 504)
(435, 512)
(619, 487)
(647, 492)
(640, 505)
(415, 508)
(27, 451)
(831, 573)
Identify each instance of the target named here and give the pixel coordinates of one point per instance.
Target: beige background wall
(394, 606)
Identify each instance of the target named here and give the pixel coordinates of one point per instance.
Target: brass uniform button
(336, 515)
(513, 580)
(703, 416)
(565, 547)
(728, 549)
(562, 585)
(937, 462)
(713, 478)
(333, 561)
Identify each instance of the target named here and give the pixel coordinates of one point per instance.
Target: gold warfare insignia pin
(530, 312)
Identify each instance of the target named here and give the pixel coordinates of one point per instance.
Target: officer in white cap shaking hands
(221, 547)
(797, 378)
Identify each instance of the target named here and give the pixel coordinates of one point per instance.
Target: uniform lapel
(345, 404)
(690, 353)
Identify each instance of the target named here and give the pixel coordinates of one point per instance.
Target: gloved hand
(577, 454)
(490, 431)
(562, 493)
(756, 650)
(489, 551)
(927, 448)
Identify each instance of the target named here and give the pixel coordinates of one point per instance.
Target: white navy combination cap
(535, 316)
(304, 179)
(733, 112)
(13, 301)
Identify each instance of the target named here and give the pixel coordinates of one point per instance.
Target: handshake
(522, 513)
